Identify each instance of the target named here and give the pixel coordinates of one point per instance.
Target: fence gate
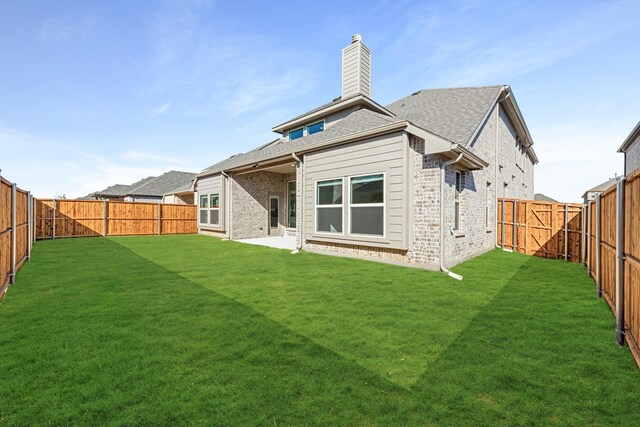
(544, 229)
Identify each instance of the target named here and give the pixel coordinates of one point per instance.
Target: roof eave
(356, 100)
(635, 133)
(437, 145)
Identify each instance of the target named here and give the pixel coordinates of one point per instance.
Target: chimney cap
(356, 38)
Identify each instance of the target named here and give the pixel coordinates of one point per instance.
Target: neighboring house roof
(154, 186)
(454, 114)
(602, 187)
(633, 136)
(163, 184)
(186, 188)
(121, 190)
(543, 198)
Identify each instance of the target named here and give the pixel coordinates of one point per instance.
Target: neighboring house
(631, 149)
(543, 198)
(592, 193)
(414, 182)
(150, 189)
(183, 195)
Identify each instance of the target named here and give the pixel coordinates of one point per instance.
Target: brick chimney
(356, 68)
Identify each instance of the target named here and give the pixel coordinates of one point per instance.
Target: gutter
(443, 167)
(300, 208)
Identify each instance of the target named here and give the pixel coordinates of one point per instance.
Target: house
(182, 195)
(412, 182)
(543, 198)
(631, 149)
(150, 189)
(592, 193)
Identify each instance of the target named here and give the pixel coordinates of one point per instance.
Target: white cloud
(48, 168)
(160, 109)
(576, 157)
(153, 157)
(59, 31)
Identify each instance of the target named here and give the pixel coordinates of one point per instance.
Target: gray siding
(210, 185)
(386, 154)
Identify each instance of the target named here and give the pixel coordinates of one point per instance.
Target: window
(329, 206)
(214, 209)
(367, 205)
(204, 212)
(459, 187)
(291, 200)
(488, 206)
(295, 134)
(315, 128)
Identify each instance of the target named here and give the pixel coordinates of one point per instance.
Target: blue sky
(94, 93)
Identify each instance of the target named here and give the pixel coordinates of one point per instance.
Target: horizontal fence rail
(16, 231)
(90, 218)
(604, 235)
(544, 229)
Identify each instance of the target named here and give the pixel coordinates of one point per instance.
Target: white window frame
(289, 203)
(214, 209)
(305, 129)
(369, 205)
(457, 200)
(316, 206)
(200, 209)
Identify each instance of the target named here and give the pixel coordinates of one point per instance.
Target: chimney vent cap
(356, 38)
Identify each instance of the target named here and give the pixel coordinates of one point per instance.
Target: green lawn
(193, 330)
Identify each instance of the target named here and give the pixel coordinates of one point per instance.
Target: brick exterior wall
(250, 198)
(425, 206)
(632, 157)
(514, 168)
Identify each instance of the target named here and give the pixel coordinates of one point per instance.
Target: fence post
(583, 230)
(502, 239)
(589, 237)
(566, 231)
(53, 219)
(12, 278)
(29, 225)
(598, 241)
(620, 258)
(515, 225)
(159, 217)
(104, 218)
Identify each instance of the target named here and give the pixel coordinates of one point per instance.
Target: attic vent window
(295, 134)
(315, 128)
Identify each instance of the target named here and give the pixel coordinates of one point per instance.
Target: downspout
(300, 208)
(496, 164)
(443, 167)
(230, 211)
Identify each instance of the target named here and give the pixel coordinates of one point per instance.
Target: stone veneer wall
(250, 198)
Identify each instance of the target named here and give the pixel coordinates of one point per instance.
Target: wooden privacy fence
(16, 231)
(612, 254)
(544, 229)
(85, 218)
